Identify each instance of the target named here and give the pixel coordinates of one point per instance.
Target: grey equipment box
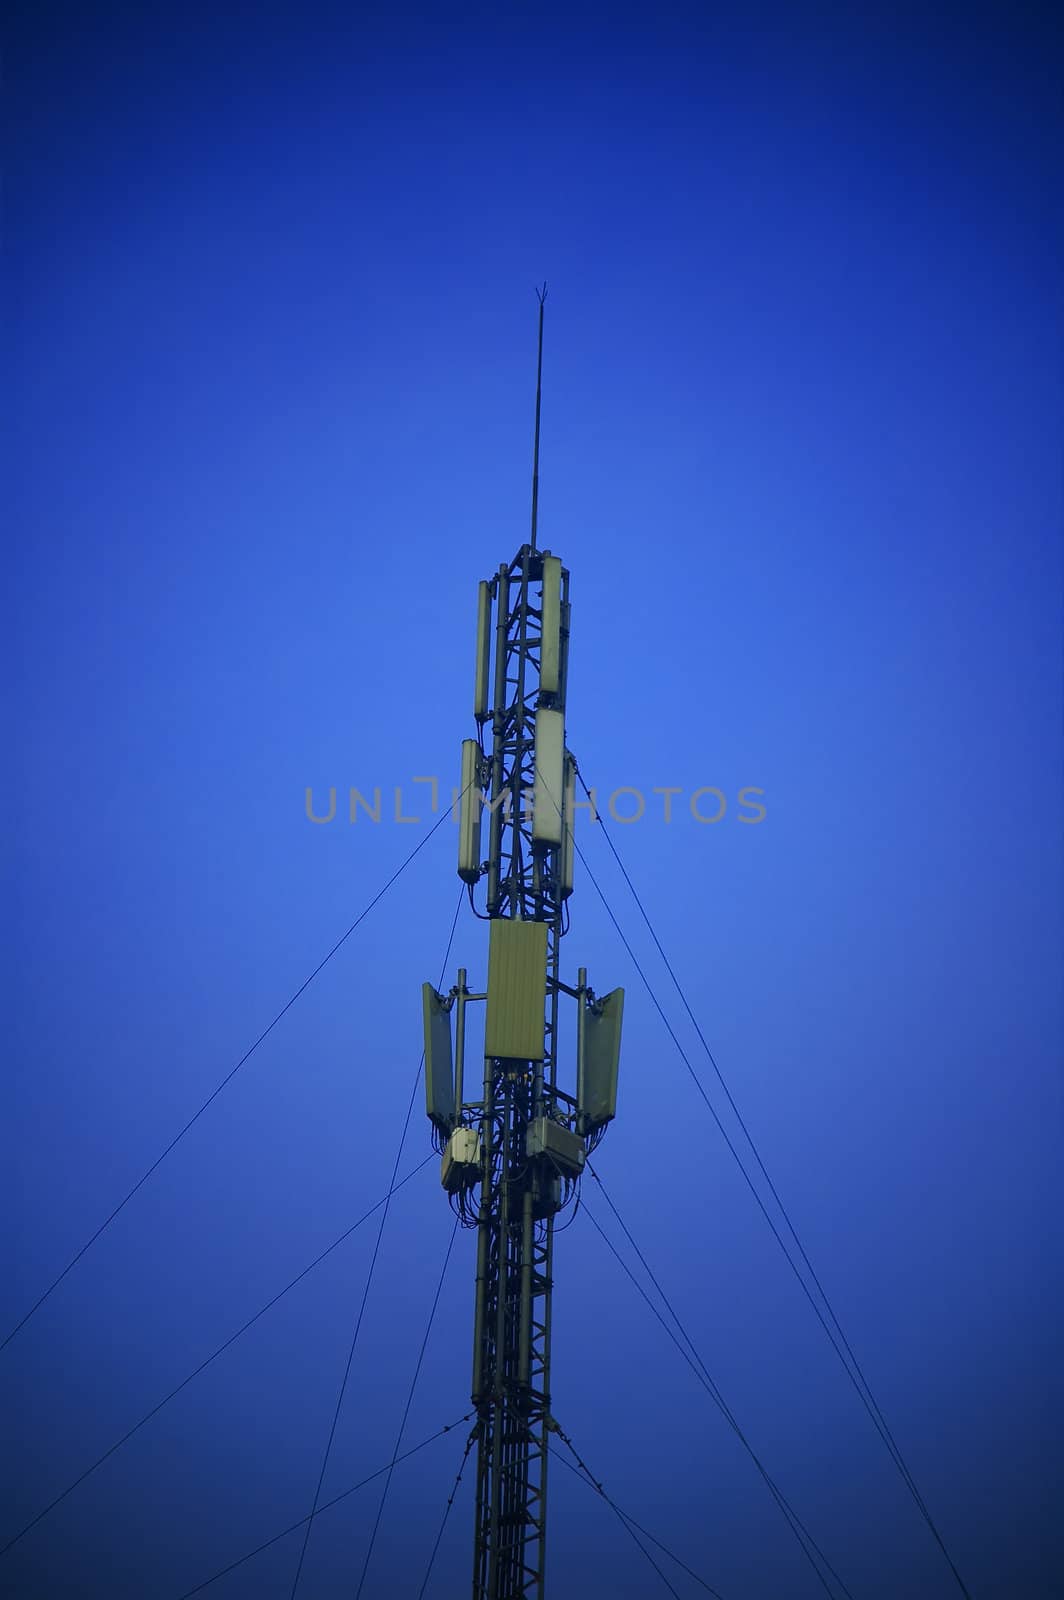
(566, 1150)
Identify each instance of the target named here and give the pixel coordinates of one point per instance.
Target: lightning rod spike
(541, 296)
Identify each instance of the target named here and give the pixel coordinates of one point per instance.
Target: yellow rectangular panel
(548, 789)
(469, 814)
(517, 989)
(480, 692)
(598, 1058)
(439, 1060)
(550, 660)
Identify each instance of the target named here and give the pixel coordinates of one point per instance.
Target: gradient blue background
(270, 327)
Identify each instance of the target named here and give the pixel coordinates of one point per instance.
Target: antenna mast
(541, 295)
(512, 1158)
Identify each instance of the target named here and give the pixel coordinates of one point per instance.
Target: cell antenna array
(512, 1159)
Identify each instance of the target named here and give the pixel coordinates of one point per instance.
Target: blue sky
(271, 330)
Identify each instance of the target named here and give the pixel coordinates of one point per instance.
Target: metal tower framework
(515, 1243)
(512, 1159)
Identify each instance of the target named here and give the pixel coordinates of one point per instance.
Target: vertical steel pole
(539, 393)
(459, 1042)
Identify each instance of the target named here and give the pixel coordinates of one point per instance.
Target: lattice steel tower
(512, 1159)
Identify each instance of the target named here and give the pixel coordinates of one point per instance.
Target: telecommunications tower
(513, 1157)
